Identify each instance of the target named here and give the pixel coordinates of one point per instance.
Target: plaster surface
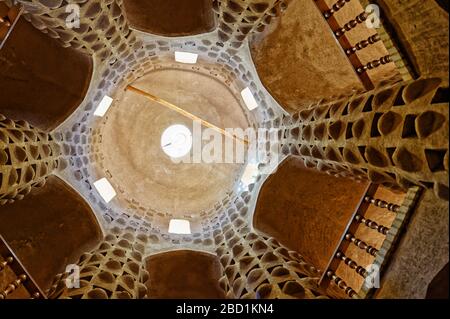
(308, 211)
(171, 17)
(184, 274)
(425, 39)
(300, 61)
(40, 81)
(132, 151)
(49, 229)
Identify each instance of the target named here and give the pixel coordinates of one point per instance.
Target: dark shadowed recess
(50, 228)
(171, 17)
(184, 274)
(438, 288)
(40, 81)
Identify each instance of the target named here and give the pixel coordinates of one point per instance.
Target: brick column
(27, 157)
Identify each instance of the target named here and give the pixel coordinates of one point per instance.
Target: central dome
(141, 139)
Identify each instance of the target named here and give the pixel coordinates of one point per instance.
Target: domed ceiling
(126, 140)
(123, 146)
(280, 67)
(133, 156)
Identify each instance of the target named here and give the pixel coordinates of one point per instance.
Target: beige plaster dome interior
(131, 143)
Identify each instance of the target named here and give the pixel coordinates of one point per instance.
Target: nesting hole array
(396, 136)
(239, 18)
(27, 157)
(114, 270)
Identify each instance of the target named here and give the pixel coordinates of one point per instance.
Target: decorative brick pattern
(395, 136)
(239, 18)
(27, 157)
(114, 270)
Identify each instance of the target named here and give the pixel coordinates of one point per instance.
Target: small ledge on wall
(171, 18)
(41, 82)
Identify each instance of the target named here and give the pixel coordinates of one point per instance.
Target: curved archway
(49, 228)
(139, 168)
(438, 287)
(184, 274)
(41, 82)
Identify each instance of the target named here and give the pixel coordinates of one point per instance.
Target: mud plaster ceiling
(68, 230)
(313, 209)
(147, 51)
(157, 53)
(132, 153)
(184, 274)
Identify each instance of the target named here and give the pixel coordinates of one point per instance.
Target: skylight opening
(105, 189)
(176, 141)
(249, 99)
(186, 57)
(104, 105)
(179, 226)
